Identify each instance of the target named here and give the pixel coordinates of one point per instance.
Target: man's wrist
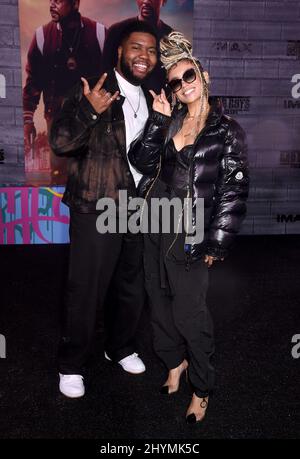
(87, 111)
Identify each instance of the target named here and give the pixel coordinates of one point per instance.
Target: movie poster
(62, 40)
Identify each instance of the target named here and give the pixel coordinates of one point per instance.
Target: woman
(191, 151)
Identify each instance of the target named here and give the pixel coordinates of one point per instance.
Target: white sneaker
(132, 363)
(71, 385)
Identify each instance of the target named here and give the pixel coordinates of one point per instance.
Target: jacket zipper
(188, 246)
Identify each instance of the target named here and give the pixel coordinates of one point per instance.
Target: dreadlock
(174, 48)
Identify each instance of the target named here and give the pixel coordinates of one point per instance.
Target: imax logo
(290, 158)
(2, 347)
(233, 46)
(288, 218)
(292, 104)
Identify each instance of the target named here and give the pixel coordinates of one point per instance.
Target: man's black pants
(98, 261)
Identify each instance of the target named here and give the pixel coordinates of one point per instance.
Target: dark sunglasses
(189, 76)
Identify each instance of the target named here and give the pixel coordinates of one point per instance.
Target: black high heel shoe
(192, 418)
(172, 389)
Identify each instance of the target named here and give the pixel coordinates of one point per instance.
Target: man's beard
(127, 73)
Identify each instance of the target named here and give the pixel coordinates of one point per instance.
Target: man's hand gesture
(98, 97)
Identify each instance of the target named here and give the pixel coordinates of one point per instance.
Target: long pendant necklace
(71, 61)
(127, 98)
(194, 130)
(196, 127)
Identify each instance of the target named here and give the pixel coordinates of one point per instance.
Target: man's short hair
(137, 26)
(73, 1)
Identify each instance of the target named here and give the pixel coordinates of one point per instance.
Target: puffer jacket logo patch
(239, 175)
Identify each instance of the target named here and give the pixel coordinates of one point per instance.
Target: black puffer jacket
(218, 172)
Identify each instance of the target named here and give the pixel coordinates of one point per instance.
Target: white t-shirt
(133, 125)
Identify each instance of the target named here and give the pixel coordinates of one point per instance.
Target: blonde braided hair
(173, 48)
(176, 47)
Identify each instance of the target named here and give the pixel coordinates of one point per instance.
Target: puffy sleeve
(231, 192)
(145, 151)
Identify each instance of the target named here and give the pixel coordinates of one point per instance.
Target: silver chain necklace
(126, 97)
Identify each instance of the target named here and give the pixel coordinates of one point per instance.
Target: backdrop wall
(252, 52)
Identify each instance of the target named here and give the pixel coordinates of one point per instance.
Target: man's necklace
(72, 48)
(127, 98)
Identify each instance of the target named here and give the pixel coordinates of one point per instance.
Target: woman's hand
(160, 103)
(209, 259)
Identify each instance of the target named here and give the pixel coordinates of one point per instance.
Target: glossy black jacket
(218, 172)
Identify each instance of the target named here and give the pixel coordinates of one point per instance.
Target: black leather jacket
(96, 145)
(218, 172)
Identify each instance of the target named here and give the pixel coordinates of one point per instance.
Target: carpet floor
(254, 298)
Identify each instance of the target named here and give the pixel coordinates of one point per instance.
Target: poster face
(63, 40)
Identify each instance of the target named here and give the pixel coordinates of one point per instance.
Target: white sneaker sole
(133, 372)
(138, 372)
(67, 394)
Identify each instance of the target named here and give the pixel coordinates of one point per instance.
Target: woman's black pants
(181, 323)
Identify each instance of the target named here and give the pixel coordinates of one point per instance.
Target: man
(95, 128)
(68, 47)
(149, 11)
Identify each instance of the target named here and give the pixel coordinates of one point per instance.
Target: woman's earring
(173, 101)
(178, 104)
